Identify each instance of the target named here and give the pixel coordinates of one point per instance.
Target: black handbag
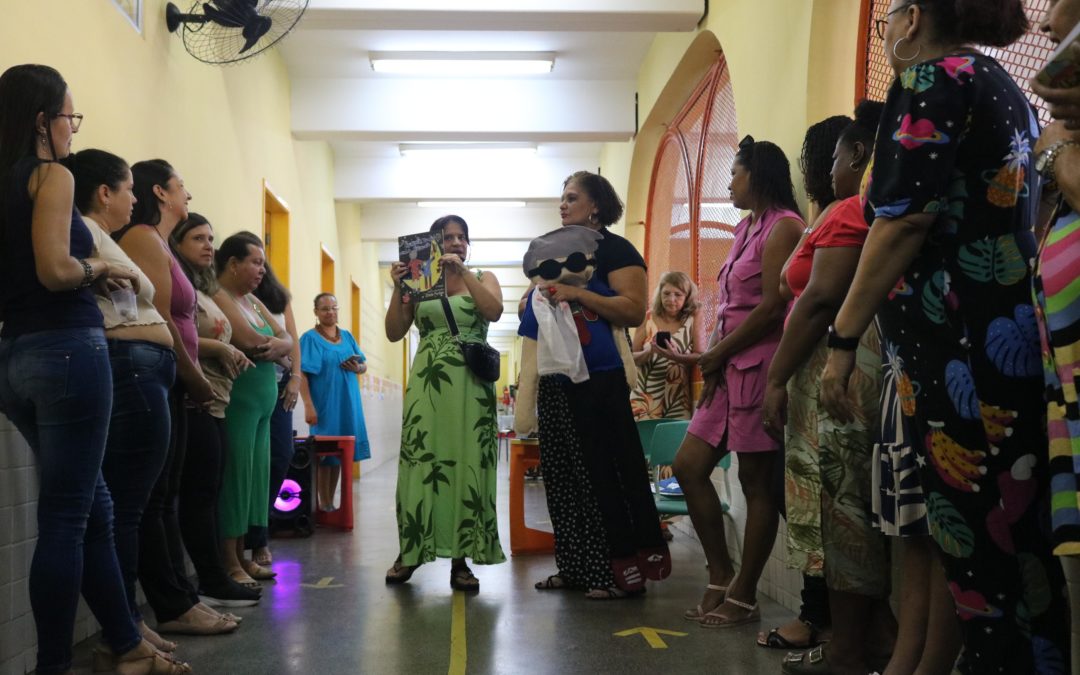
(481, 358)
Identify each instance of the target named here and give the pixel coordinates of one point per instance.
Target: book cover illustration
(1062, 68)
(421, 253)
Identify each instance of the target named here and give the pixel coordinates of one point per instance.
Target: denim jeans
(138, 442)
(56, 388)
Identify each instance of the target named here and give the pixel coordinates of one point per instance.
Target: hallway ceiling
(586, 100)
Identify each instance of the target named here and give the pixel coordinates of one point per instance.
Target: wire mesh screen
(669, 211)
(691, 219)
(1021, 59)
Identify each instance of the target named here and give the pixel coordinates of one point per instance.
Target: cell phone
(354, 357)
(663, 337)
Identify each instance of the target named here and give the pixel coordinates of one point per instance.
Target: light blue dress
(334, 390)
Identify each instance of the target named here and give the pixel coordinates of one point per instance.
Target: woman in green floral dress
(449, 449)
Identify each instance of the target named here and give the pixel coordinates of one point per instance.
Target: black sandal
(555, 582)
(399, 574)
(462, 579)
(774, 640)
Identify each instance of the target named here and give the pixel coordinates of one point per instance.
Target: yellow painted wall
(225, 129)
(795, 69)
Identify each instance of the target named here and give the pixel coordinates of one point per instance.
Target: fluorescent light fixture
(467, 149)
(461, 64)
(455, 204)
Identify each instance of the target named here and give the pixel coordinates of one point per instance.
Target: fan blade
(223, 17)
(255, 30)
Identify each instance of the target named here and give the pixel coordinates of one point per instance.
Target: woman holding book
(330, 361)
(449, 449)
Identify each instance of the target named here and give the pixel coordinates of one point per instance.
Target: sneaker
(230, 595)
(669, 487)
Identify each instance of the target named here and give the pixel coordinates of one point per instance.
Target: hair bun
(996, 23)
(868, 114)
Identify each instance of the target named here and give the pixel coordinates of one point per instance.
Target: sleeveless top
(25, 304)
(739, 284)
(182, 308)
(212, 324)
(108, 250)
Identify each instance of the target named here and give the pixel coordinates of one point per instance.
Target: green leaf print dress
(449, 447)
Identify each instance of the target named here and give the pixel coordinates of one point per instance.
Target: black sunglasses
(551, 269)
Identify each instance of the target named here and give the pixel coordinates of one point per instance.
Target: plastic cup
(123, 301)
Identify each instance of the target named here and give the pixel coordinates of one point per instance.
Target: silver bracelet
(88, 274)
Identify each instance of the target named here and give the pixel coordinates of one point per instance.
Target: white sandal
(698, 613)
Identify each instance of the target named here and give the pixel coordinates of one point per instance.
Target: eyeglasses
(879, 24)
(550, 270)
(75, 119)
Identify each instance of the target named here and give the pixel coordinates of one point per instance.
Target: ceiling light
(450, 205)
(446, 150)
(463, 63)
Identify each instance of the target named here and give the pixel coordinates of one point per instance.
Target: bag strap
(450, 321)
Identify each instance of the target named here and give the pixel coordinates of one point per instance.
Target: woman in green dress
(449, 449)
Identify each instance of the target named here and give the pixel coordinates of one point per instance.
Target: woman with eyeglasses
(951, 202)
(55, 376)
(449, 446)
(729, 414)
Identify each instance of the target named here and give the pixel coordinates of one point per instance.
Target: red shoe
(656, 562)
(628, 575)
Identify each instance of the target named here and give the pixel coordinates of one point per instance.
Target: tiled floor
(330, 612)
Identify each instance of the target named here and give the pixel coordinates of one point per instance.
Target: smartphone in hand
(663, 337)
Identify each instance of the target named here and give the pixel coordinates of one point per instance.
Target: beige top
(212, 324)
(110, 251)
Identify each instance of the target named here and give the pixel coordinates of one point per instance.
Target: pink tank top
(183, 307)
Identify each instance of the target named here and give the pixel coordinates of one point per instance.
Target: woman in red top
(828, 465)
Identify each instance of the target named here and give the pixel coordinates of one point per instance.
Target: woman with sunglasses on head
(55, 376)
(449, 447)
(729, 414)
(951, 202)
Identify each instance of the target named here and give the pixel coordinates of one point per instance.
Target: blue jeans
(138, 442)
(56, 387)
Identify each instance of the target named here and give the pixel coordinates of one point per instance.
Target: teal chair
(666, 439)
(645, 430)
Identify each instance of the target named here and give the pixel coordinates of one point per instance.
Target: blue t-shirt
(600, 353)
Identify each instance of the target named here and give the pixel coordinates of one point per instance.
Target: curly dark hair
(609, 208)
(770, 174)
(816, 160)
(997, 23)
(864, 128)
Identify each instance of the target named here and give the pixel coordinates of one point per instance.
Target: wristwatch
(834, 341)
(1045, 161)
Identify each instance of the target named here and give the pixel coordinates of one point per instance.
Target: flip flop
(552, 583)
(612, 593)
(219, 627)
(698, 613)
(398, 573)
(753, 614)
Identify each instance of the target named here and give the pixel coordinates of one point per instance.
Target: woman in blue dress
(330, 361)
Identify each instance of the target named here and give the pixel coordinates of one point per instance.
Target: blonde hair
(683, 282)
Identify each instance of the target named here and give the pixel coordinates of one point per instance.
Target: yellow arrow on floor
(651, 635)
(324, 583)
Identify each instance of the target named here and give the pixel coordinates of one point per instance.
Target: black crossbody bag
(481, 358)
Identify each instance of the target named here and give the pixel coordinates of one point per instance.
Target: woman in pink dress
(728, 419)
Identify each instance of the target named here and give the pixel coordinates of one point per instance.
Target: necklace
(337, 333)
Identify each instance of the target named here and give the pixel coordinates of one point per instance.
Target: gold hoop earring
(901, 58)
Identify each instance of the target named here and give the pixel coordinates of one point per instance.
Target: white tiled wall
(18, 527)
(777, 581)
